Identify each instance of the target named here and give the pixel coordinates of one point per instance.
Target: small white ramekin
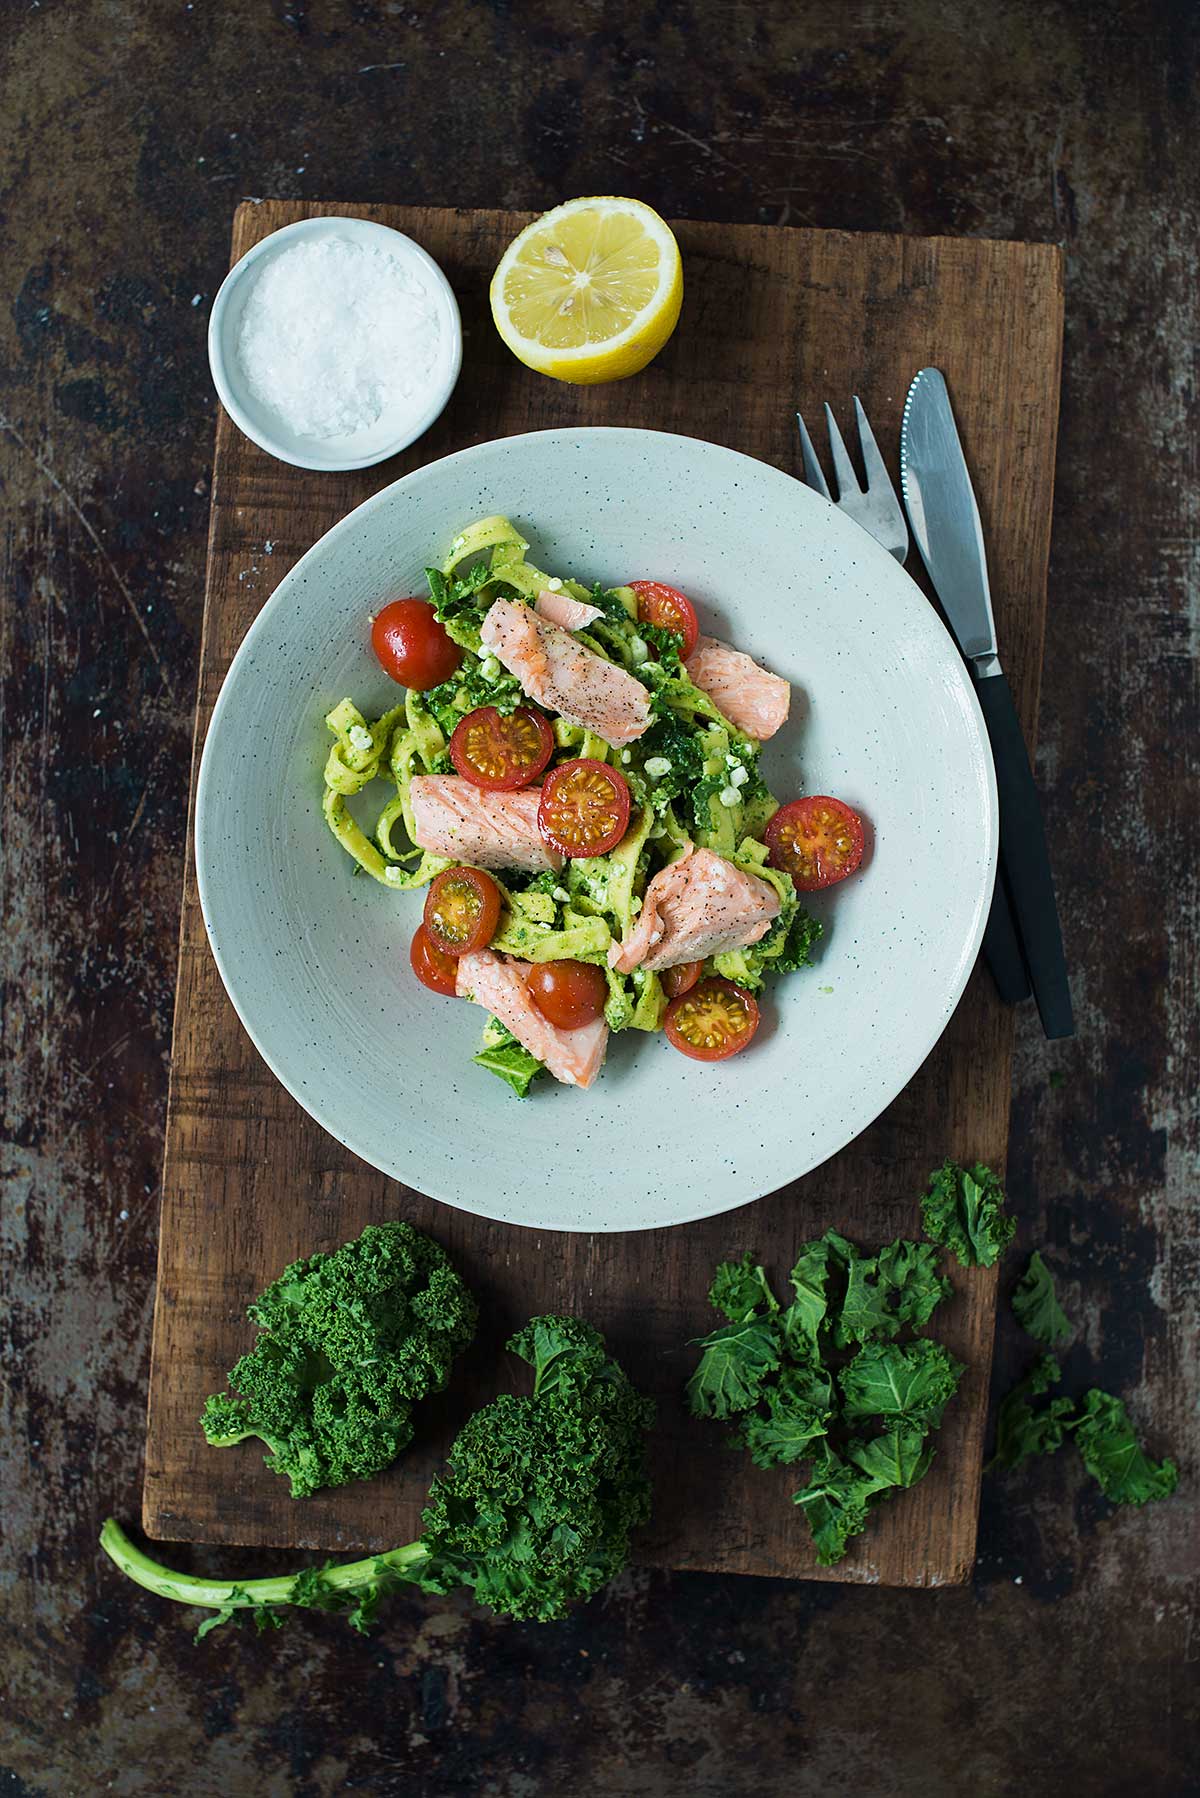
(386, 437)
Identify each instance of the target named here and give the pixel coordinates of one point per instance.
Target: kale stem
(190, 1588)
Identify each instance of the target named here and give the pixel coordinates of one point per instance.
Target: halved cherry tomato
(681, 979)
(715, 1020)
(412, 646)
(568, 994)
(500, 754)
(431, 967)
(670, 609)
(462, 910)
(584, 808)
(817, 840)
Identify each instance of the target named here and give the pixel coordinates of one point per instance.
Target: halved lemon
(589, 292)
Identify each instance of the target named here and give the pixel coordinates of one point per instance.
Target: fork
(877, 510)
(875, 507)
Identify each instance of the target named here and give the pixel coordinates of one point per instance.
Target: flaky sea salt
(336, 333)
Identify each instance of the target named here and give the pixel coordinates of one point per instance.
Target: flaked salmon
(564, 675)
(699, 906)
(488, 830)
(499, 984)
(750, 696)
(561, 609)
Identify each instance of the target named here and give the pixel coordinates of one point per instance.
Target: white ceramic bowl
(391, 432)
(883, 715)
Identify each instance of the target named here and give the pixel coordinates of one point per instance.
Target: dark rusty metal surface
(130, 131)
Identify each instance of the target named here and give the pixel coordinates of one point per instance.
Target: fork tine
(891, 527)
(812, 468)
(873, 462)
(847, 480)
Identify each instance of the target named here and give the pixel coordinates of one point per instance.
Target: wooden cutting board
(772, 319)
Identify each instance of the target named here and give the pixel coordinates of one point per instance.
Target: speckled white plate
(883, 715)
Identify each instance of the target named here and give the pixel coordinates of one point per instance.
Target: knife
(945, 521)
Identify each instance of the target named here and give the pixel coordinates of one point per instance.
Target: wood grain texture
(772, 318)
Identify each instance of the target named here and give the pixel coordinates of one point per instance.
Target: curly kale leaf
(543, 1492)
(740, 1289)
(1023, 1429)
(834, 1503)
(457, 603)
(903, 1382)
(1036, 1305)
(671, 740)
(793, 1414)
(351, 1342)
(910, 1270)
(866, 1309)
(810, 1276)
(964, 1211)
(737, 1359)
(1113, 1456)
(897, 1459)
(803, 935)
(664, 643)
(610, 603)
(556, 1348)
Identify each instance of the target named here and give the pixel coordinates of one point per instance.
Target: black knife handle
(1002, 951)
(1025, 860)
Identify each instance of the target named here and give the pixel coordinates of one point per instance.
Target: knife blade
(944, 516)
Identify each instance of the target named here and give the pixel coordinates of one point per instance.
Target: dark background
(129, 133)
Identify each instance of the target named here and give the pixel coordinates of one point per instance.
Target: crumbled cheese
(360, 738)
(626, 756)
(739, 777)
(561, 895)
(553, 584)
(393, 874)
(729, 796)
(658, 766)
(490, 668)
(733, 761)
(639, 650)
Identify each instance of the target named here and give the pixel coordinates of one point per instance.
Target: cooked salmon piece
(696, 907)
(486, 830)
(560, 608)
(499, 984)
(564, 675)
(750, 696)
